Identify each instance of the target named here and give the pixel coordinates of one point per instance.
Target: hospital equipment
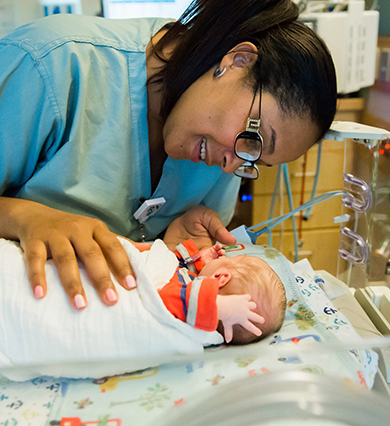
(351, 34)
(140, 9)
(365, 242)
(14, 13)
(52, 7)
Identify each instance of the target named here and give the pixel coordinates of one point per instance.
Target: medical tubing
(271, 210)
(290, 201)
(307, 213)
(301, 201)
(319, 199)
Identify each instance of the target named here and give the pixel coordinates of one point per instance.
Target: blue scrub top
(74, 132)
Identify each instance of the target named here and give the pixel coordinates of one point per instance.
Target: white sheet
(48, 337)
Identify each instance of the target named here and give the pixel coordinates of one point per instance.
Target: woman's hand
(46, 233)
(202, 225)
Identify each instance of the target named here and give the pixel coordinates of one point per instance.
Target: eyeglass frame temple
(253, 124)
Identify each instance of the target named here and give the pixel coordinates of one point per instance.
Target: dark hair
(296, 66)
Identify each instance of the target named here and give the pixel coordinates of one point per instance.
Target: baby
(241, 297)
(176, 309)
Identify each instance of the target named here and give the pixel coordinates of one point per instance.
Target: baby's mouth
(203, 150)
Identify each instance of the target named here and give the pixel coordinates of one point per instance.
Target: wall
(377, 97)
(384, 17)
(91, 7)
(14, 13)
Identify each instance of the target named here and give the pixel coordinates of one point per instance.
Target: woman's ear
(243, 55)
(223, 276)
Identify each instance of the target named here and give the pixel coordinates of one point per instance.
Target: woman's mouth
(199, 153)
(203, 150)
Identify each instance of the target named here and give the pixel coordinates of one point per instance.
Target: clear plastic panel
(288, 398)
(365, 237)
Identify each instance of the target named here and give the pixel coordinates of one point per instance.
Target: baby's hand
(238, 309)
(212, 253)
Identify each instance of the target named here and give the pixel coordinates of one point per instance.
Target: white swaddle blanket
(49, 337)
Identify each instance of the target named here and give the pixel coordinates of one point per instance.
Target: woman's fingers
(67, 239)
(116, 257)
(64, 258)
(201, 224)
(100, 255)
(35, 256)
(223, 235)
(211, 221)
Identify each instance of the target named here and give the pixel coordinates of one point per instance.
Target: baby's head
(252, 275)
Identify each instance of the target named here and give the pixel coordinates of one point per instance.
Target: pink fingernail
(111, 295)
(38, 292)
(79, 301)
(130, 281)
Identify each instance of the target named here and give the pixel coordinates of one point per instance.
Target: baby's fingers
(251, 304)
(228, 332)
(221, 252)
(252, 328)
(219, 249)
(256, 317)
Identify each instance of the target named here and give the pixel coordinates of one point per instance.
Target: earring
(218, 73)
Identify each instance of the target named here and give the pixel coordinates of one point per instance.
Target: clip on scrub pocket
(147, 209)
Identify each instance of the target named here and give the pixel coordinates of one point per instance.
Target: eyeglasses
(248, 145)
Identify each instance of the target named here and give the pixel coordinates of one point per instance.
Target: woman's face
(208, 116)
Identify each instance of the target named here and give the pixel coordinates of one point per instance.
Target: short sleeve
(27, 118)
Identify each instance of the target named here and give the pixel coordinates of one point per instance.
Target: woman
(97, 116)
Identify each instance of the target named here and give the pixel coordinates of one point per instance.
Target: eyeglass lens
(248, 171)
(248, 149)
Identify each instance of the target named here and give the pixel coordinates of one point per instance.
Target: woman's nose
(230, 162)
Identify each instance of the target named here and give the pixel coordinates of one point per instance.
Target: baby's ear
(223, 276)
